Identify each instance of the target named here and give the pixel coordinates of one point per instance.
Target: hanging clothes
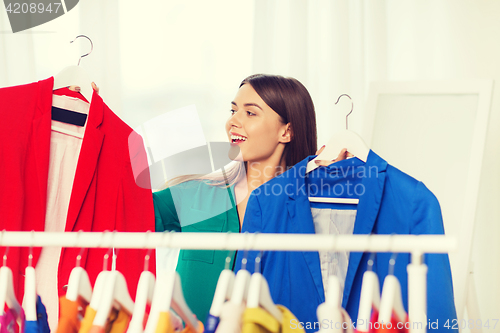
(8, 323)
(165, 325)
(41, 325)
(111, 187)
(87, 320)
(257, 320)
(117, 322)
(230, 318)
(70, 315)
(211, 323)
(390, 202)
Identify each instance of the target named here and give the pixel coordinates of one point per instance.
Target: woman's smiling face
(254, 127)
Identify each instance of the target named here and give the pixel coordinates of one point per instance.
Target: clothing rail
(414, 244)
(417, 245)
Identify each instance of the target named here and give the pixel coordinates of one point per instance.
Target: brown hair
(291, 100)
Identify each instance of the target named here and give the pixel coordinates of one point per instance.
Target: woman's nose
(235, 119)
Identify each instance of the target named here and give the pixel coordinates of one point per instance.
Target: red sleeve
(135, 211)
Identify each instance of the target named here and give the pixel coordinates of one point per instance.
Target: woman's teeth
(235, 138)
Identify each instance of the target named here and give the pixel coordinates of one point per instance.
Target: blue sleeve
(252, 223)
(427, 219)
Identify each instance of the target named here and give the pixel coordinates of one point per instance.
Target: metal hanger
(73, 76)
(91, 47)
(352, 108)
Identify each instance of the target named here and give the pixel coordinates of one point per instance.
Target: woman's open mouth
(237, 139)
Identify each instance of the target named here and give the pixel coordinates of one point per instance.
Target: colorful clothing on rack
(8, 323)
(211, 323)
(87, 320)
(230, 318)
(390, 202)
(165, 325)
(117, 321)
(41, 325)
(111, 188)
(96, 329)
(257, 320)
(70, 315)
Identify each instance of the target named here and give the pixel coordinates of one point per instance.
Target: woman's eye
(232, 111)
(250, 113)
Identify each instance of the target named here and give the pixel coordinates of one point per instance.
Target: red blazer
(105, 195)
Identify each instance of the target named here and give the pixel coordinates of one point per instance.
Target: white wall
(441, 40)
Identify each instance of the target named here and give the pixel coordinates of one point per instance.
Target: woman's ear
(287, 134)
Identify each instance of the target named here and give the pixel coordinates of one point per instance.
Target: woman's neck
(257, 173)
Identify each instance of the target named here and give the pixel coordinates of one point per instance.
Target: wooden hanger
(115, 292)
(370, 297)
(330, 312)
(392, 299)
(224, 289)
(30, 297)
(143, 296)
(76, 76)
(7, 295)
(168, 295)
(344, 139)
(259, 294)
(79, 283)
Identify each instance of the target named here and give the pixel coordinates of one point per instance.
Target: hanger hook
(91, 47)
(257, 262)
(352, 107)
(392, 261)
(115, 252)
(229, 253)
(79, 256)
(371, 261)
(245, 253)
(106, 256)
(6, 249)
(30, 255)
(148, 253)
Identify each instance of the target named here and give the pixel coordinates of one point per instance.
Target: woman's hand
(95, 88)
(342, 156)
(77, 89)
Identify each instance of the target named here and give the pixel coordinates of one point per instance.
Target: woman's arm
(166, 218)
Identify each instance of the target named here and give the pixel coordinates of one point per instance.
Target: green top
(196, 206)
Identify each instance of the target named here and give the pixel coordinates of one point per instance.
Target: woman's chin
(235, 153)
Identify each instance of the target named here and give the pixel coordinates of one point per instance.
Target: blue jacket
(390, 202)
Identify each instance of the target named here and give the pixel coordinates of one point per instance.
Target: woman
(272, 126)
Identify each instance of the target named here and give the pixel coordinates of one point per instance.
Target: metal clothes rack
(416, 245)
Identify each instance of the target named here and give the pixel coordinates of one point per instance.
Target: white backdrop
(156, 56)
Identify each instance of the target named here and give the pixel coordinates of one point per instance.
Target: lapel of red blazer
(87, 161)
(41, 138)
